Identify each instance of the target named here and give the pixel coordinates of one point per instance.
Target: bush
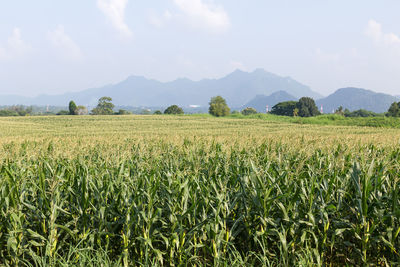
(157, 112)
(123, 112)
(249, 111)
(174, 109)
(63, 112)
(360, 113)
(8, 113)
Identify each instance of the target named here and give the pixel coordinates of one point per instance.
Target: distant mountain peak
(260, 70)
(352, 90)
(280, 92)
(260, 102)
(239, 71)
(354, 98)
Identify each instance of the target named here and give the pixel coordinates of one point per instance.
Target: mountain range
(241, 89)
(237, 88)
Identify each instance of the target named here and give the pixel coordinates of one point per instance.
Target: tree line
(218, 108)
(304, 107)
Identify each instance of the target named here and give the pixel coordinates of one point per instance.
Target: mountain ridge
(238, 87)
(260, 102)
(354, 98)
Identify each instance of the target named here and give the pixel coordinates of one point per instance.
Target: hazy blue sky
(49, 46)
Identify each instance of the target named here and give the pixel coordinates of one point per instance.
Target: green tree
(284, 108)
(104, 107)
(218, 107)
(157, 112)
(72, 107)
(174, 109)
(63, 112)
(307, 107)
(394, 110)
(249, 111)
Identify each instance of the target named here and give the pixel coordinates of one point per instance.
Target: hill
(261, 101)
(237, 88)
(357, 98)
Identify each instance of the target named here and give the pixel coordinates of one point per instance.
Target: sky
(52, 47)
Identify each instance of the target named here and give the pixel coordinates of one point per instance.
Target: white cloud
(374, 31)
(204, 15)
(67, 48)
(114, 10)
(15, 48)
(159, 21)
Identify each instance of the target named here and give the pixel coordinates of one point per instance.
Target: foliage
(284, 108)
(249, 111)
(104, 107)
(17, 110)
(307, 107)
(63, 112)
(157, 112)
(123, 112)
(8, 113)
(72, 108)
(380, 121)
(218, 107)
(394, 110)
(360, 113)
(174, 109)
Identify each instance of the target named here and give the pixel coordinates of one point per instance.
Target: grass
(330, 119)
(196, 190)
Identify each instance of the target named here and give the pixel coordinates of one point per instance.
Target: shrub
(174, 109)
(249, 111)
(63, 112)
(123, 112)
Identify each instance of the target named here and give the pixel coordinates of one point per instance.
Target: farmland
(195, 190)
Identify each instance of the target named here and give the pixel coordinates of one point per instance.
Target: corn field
(134, 198)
